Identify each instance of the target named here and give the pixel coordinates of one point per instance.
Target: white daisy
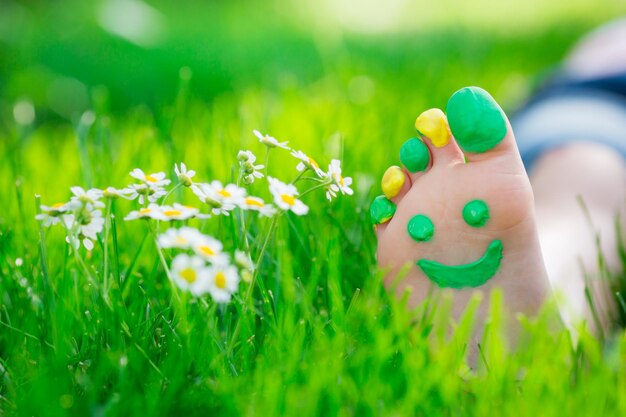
(91, 198)
(83, 227)
(156, 179)
(144, 191)
(153, 211)
(223, 282)
(257, 204)
(306, 162)
(178, 212)
(209, 248)
(336, 181)
(221, 199)
(285, 197)
(246, 156)
(184, 175)
(248, 170)
(51, 215)
(270, 141)
(191, 274)
(114, 193)
(182, 238)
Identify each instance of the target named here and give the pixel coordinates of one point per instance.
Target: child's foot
(464, 226)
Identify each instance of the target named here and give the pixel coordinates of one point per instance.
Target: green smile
(472, 274)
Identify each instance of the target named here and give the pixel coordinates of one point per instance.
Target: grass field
(104, 332)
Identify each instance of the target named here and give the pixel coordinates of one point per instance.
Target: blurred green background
(68, 56)
(358, 69)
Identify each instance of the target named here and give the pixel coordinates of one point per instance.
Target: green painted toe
(414, 155)
(475, 119)
(382, 210)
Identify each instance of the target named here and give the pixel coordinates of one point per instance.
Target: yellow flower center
(150, 178)
(206, 250)
(254, 202)
(189, 275)
(180, 240)
(313, 163)
(341, 181)
(58, 205)
(224, 193)
(145, 211)
(289, 199)
(171, 213)
(220, 280)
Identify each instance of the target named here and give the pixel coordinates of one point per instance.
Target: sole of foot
(458, 216)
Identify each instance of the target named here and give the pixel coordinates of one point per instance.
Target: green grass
(329, 340)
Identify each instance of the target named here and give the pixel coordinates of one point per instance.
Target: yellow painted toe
(392, 182)
(433, 123)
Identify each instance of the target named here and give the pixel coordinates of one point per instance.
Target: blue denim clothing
(570, 110)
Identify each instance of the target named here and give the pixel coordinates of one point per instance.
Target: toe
(395, 183)
(479, 125)
(416, 158)
(382, 211)
(432, 125)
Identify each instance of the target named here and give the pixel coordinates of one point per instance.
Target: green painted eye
(476, 213)
(421, 228)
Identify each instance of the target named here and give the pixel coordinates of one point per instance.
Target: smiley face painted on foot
(472, 124)
(472, 274)
(421, 229)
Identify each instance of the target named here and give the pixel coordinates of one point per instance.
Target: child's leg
(582, 170)
(595, 174)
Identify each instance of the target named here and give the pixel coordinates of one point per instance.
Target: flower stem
(176, 187)
(162, 259)
(312, 179)
(116, 254)
(267, 160)
(244, 230)
(177, 301)
(248, 295)
(107, 227)
(313, 189)
(264, 247)
(48, 294)
(298, 177)
(81, 263)
(242, 218)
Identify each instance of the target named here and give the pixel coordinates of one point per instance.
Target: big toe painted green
(475, 119)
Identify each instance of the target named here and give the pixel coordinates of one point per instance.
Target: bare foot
(462, 226)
